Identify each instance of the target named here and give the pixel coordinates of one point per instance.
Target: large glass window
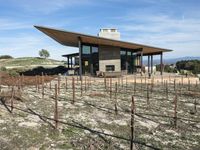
(95, 60)
(123, 59)
(90, 59)
(128, 60)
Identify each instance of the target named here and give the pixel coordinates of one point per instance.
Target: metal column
(151, 64)
(68, 62)
(161, 64)
(80, 63)
(71, 62)
(141, 60)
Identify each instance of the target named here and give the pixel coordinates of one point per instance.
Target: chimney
(110, 33)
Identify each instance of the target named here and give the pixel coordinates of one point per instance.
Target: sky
(170, 24)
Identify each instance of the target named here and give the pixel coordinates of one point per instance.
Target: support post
(80, 64)
(161, 64)
(68, 62)
(151, 64)
(141, 61)
(71, 62)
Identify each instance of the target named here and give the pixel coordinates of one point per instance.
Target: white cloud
(180, 34)
(25, 45)
(10, 24)
(47, 6)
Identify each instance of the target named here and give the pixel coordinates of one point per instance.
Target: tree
(44, 53)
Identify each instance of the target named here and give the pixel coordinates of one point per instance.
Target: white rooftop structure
(110, 33)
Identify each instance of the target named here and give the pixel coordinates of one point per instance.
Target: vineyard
(129, 112)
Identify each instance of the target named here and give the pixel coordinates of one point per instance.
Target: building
(105, 52)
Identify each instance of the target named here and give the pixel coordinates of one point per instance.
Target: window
(110, 67)
(123, 52)
(129, 53)
(113, 30)
(86, 49)
(94, 49)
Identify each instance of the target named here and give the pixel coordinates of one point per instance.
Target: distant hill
(173, 60)
(29, 62)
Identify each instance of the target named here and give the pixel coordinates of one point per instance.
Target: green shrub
(13, 73)
(6, 57)
(3, 69)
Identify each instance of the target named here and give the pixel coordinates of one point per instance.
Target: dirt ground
(99, 115)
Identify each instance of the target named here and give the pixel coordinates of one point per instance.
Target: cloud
(163, 30)
(47, 6)
(10, 24)
(28, 45)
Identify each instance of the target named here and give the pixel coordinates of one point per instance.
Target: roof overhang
(68, 38)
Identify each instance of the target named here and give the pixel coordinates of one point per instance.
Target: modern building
(105, 52)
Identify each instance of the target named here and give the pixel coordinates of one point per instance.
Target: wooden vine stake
(11, 100)
(66, 83)
(116, 110)
(73, 93)
(42, 85)
(81, 87)
(134, 85)
(175, 110)
(56, 107)
(58, 85)
(126, 84)
(174, 84)
(105, 84)
(85, 83)
(182, 80)
(110, 88)
(36, 83)
(188, 85)
(195, 105)
(132, 122)
(167, 93)
(148, 102)
(50, 85)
